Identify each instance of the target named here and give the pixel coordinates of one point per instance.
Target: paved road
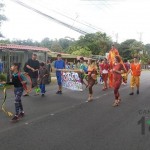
(68, 122)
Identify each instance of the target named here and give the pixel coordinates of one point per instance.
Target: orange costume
(135, 72)
(111, 57)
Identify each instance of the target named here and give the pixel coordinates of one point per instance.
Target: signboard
(71, 80)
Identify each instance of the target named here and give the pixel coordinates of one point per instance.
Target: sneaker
(42, 95)
(21, 115)
(59, 92)
(137, 92)
(131, 93)
(15, 118)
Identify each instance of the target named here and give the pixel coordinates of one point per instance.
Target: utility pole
(140, 36)
(116, 36)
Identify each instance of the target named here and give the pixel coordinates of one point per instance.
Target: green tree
(24, 42)
(5, 41)
(98, 43)
(46, 42)
(65, 43)
(125, 49)
(136, 47)
(56, 47)
(82, 52)
(147, 48)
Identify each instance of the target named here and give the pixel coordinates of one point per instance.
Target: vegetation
(2, 77)
(90, 44)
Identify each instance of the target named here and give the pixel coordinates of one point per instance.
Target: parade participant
(83, 70)
(33, 66)
(135, 69)
(111, 57)
(104, 69)
(42, 78)
(18, 90)
(100, 64)
(92, 77)
(59, 64)
(117, 70)
(1, 66)
(49, 69)
(125, 75)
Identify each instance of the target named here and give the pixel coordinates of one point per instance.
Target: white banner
(71, 80)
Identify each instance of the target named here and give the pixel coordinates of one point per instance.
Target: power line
(50, 17)
(74, 20)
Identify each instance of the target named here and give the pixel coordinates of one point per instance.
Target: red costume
(117, 79)
(111, 58)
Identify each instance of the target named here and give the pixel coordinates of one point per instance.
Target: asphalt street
(68, 122)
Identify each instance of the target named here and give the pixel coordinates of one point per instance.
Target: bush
(2, 77)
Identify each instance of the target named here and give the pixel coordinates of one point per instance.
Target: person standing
(111, 57)
(104, 69)
(33, 67)
(117, 70)
(18, 81)
(59, 64)
(101, 62)
(42, 78)
(83, 71)
(92, 77)
(1, 66)
(49, 69)
(125, 75)
(135, 69)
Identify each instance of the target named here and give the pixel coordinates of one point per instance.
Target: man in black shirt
(33, 67)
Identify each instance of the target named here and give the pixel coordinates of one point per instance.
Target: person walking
(33, 67)
(59, 64)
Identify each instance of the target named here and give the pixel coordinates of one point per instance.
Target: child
(135, 69)
(43, 74)
(17, 81)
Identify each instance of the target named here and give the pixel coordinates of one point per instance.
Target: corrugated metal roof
(23, 47)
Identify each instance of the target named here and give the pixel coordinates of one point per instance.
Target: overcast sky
(127, 18)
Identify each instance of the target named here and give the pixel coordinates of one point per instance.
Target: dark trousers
(18, 104)
(42, 87)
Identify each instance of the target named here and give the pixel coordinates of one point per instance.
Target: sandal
(105, 88)
(90, 99)
(116, 103)
(119, 100)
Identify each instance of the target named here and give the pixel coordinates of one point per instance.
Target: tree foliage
(98, 43)
(82, 51)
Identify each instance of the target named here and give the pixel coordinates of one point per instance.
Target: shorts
(135, 80)
(59, 81)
